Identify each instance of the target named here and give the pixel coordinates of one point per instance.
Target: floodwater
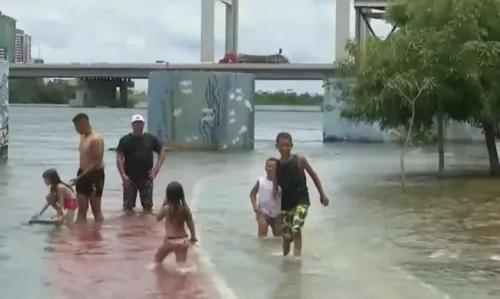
(439, 240)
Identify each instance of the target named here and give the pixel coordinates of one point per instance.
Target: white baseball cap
(137, 117)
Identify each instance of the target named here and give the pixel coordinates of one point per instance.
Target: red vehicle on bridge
(246, 58)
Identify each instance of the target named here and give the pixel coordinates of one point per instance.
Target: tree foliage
(453, 46)
(26, 91)
(288, 98)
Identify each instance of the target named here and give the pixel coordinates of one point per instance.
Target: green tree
(288, 98)
(37, 91)
(448, 49)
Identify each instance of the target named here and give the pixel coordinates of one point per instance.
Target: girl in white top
(267, 209)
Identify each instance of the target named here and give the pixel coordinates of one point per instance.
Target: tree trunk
(489, 136)
(440, 132)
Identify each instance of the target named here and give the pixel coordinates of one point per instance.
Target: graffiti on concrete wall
(4, 110)
(211, 122)
(201, 110)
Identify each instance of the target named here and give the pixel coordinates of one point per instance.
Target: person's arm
(190, 225)
(253, 196)
(158, 148)
(42, 211)
(96, 148)
(120, 156)
(308, 168)
(162, 214)
(60, 198)
(275, 182)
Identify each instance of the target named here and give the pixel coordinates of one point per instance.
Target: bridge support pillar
(208, 28)
(94, 92)
(342, 28)
(4, 110)
(201, 110)
(335, 127)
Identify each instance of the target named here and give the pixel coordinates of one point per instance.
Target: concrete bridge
(103, 71)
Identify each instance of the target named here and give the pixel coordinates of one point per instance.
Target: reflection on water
(439, 238)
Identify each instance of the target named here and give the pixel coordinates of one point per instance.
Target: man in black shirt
(134, 160)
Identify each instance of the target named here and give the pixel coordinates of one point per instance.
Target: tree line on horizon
(39, 91)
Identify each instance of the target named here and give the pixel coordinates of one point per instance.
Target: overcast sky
(149, 30)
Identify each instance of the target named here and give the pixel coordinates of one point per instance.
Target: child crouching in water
(177, 214)
(267, 209)
(61, 197)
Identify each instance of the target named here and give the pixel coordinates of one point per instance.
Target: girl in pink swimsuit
(177, 214)
(61, 196)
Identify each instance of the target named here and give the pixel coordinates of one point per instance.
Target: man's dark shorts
(92, 184)
(145, 190)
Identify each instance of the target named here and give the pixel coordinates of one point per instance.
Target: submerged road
(439, 240)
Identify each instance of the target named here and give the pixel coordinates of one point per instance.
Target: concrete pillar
(207, 30)
(335, 127)
(361, 29)
(123, 94)
(342, 27)
(232, 27)
(97, 92)
(202, 110)
(4, 110)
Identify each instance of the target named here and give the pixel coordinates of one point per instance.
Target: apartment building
(7, 33)
(22, 47)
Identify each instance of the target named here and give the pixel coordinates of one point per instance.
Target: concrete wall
(4, 110)
(202, 110)
(336, 128)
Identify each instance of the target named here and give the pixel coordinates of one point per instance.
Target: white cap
(137, 117)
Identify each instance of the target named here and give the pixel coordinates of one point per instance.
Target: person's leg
(181, 255)
(287, 224)
(262, 225)
(129, 198)
(96, 198)
(276, 226)
(146, 196)
(161, 254)
(298, 221)
(83, 192)
(69, 217)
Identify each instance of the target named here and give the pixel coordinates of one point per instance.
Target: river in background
(439, 239)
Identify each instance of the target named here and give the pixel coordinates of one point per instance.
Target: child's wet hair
(271, 159)
(174, 192)
(283, 135)
(54, 178)
(175, 198)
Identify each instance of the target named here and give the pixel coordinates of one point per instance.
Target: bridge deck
(306, 71)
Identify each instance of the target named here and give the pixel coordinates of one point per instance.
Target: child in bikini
(176, 214)
(61, 197)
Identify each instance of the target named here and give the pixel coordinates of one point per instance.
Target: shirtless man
(90, 177)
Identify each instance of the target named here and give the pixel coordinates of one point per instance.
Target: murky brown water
(439, 239)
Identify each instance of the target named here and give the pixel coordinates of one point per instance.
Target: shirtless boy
(290, 175)
(90, 176)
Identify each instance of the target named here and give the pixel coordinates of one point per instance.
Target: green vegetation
(288, 98)
(443, 62)
(24, 91)
(36, 91)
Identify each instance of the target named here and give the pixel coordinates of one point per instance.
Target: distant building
(22, 47)
(38, 61)
(3, 53)
(7, 37)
